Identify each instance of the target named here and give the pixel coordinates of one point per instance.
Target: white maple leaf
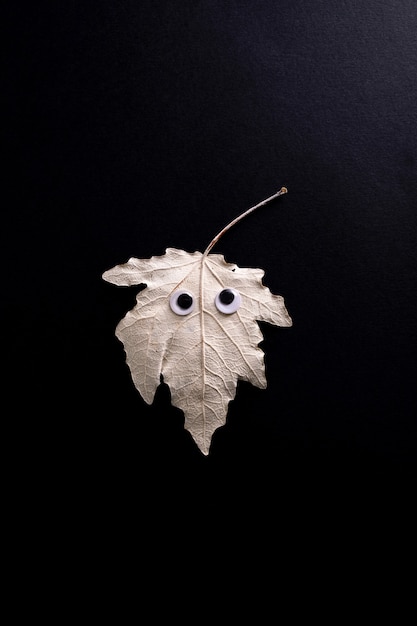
(196, 325)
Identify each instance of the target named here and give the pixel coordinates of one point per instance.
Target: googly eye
(228, 300)
(181, 302)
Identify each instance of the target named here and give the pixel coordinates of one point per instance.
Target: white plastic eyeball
(228, 300)
(182, 302)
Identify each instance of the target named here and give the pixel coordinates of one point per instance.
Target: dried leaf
(196, 325)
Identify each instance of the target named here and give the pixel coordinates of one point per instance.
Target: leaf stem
(240, 217)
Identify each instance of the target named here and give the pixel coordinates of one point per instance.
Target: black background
(136, 126)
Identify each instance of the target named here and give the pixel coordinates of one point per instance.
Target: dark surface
(133, 127)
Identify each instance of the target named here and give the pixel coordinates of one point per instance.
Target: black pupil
(184, 301)
(226, 296)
